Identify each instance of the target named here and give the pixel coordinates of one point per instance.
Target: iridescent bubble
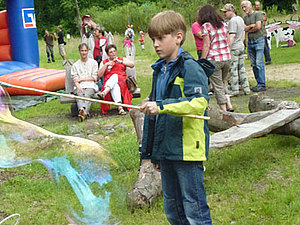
(72, 161)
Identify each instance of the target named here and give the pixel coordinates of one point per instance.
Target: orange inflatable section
(39, 78)
(5, 49)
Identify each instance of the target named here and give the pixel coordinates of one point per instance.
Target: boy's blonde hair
(167, 22)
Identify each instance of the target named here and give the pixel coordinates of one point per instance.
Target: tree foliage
(114, 15)
(285, 5)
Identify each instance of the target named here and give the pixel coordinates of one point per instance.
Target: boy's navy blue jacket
(179, 138)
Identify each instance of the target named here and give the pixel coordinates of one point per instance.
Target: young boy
(177, 145)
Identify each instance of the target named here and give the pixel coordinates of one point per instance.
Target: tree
(282, 4)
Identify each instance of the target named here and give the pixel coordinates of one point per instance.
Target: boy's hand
(149, 108)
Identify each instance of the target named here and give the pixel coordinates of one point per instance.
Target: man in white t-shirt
(236, 31)
(84, 73)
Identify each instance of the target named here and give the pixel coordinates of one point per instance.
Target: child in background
(129, 45)
(142, 40)
(177, 146)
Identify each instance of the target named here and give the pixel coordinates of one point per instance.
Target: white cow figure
(280, 33)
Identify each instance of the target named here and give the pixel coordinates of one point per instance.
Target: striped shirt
(219, 49)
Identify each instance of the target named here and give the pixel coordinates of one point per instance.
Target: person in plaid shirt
(216, 50)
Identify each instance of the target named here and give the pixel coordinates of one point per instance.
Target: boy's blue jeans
(256, 52)
(184, 195)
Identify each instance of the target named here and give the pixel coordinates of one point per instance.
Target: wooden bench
(70, 86)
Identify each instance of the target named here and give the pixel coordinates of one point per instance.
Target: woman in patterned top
(216, 50)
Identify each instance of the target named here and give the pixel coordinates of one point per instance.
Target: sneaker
(53, 60)
(49, 61)
(268, 62)
(258, 89)
(82, 115)
(211, 91)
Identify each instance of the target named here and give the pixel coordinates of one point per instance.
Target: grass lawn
(256, 182)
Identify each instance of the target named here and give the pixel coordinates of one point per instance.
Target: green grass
(255, 182)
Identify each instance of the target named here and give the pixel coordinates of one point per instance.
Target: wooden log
(243, 132)
(146, 188)
(261, 106)
(148, 184)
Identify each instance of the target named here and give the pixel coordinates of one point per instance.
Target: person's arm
(103, 67)
(126, 62)
(231, 39)
(199, 35)
(206, 46)
(254, 27)
(75, 77)
(55, 35)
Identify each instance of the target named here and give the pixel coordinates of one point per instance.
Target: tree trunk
(79, 24)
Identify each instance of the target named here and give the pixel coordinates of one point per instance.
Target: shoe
(99, 95)
(121, 111)
(82, 115)
(49, 61)
(230, 110)
(268, 62)
(211, 91)
(53, 60)
(258, 89)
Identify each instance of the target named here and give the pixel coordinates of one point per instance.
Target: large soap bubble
(73, 162)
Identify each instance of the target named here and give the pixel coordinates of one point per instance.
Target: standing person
(61, 42)
(129, 32)
(127, 44)
(236, 29)
(100, 44)
(266, 48)
(84, 74)
(142, 40)
(177, 146)
(88, 28)
(196, 30)
(256, 43)
(216, 50)
(48, 38)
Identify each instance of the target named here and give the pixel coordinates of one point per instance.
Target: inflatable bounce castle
(19, 53)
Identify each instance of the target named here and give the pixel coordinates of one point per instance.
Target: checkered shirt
(219, 49)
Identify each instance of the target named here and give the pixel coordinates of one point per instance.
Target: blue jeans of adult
(256, 53)
(184, 195)
(267, 50)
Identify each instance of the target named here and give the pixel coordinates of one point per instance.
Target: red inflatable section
(5, 49)
(39, 78)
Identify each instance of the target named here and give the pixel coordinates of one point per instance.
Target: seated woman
(113, 70)
(84, 75)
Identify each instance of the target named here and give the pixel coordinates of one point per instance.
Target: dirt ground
(290, 72)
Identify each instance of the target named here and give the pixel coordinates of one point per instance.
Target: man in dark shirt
(61, 42)
(48, 38)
